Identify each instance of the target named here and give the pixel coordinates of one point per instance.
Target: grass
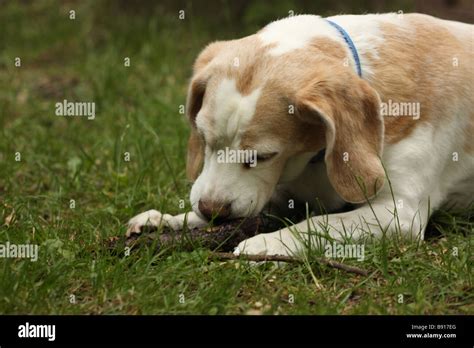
(64, 159)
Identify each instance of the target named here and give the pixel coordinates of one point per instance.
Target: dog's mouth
(217, 220)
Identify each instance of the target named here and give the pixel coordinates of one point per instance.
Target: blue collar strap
(351, 45)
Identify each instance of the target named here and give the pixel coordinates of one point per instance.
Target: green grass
(64, 159)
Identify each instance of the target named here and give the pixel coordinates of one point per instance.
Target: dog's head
(258, 118)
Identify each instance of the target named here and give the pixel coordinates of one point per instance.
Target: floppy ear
(350, 112)
(195, 157)
(196, 91)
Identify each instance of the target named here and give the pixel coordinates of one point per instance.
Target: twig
(281, 258)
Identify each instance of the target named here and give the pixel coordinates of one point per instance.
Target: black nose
(214, 210)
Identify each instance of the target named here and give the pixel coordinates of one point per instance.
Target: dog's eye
(260, 158)
(266, 156)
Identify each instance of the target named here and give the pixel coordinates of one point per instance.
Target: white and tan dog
(399, 136)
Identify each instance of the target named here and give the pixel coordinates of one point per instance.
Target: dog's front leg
(153, 218)
(364, 221)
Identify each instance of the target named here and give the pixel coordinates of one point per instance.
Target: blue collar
(351, 45)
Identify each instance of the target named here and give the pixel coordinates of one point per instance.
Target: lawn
(68, 184)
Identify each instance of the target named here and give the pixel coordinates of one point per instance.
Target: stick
(281, 258)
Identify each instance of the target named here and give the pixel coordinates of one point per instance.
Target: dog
(374, 110)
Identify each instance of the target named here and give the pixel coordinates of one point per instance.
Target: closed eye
(266, 156)
(261, 157)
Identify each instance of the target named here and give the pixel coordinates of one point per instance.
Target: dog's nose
(211, 209)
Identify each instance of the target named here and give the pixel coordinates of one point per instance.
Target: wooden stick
(281, 258)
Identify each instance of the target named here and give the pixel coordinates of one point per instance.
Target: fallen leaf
(9, 219)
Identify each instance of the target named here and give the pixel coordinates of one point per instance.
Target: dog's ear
(196, 91)
(349, 110)
(195, 157)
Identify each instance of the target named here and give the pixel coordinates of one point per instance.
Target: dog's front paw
(150, 219)
(276, 243)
